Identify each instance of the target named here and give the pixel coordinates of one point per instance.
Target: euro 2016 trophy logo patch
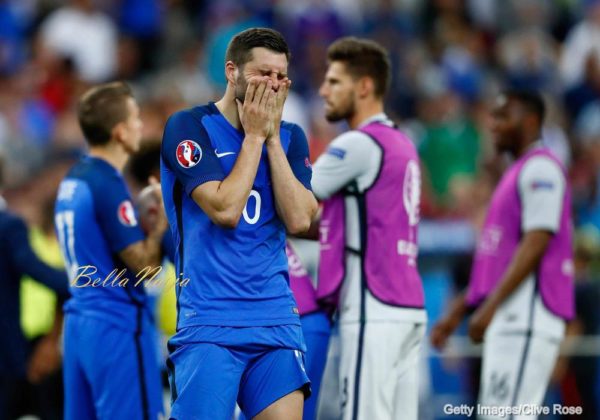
(126, 214)
(189, 153)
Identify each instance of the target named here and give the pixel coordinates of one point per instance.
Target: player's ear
(119, 132)
(230, 72)
(365, 87)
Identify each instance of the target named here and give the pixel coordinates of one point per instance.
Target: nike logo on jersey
(220, 155)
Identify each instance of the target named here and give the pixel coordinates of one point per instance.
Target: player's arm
(347, 157)
(118, 221)
(541, 188)
(444, 328)
(291, 173)
(224, 201)
(146, 252)
(46, 357)
(222, 198)
(295, 202)
(27, 262)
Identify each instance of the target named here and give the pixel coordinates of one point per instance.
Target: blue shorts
(208, 378)
(316, 328)
(110, 373)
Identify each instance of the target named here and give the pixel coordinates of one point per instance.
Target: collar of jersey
(223, 121)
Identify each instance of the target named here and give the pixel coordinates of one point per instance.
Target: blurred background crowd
(450, 57)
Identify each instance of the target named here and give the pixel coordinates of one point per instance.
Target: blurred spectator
(528, 56)
(141, 20)
(23, 363)
(227, 17)
(12, 38)
(586, 91)
(187, 76)
(583, 39)
(451, 146)
(80, 31)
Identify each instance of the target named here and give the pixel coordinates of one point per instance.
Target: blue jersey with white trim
(95, 220)
(237, 277)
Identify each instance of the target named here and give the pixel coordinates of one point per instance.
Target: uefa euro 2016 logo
(189, 153)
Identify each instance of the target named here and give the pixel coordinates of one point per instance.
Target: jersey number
(65, 225)
(257, 200)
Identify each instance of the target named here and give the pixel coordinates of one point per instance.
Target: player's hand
(257, 110)
(440, 333)
(46, 359)
(280, 97)
(480, 320)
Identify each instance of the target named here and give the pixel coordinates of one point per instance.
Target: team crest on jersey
(126, 214)
(189, 153)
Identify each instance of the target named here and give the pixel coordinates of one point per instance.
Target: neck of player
(529, 138)
(228, 108)
(364, 111)
(113, 153)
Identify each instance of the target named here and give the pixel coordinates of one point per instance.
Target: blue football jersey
(227, 277)
(95, 220)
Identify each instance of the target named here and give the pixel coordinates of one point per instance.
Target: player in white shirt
(522, 279)
(381, 329)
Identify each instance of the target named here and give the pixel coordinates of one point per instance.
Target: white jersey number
(65, 225)
(257, 201)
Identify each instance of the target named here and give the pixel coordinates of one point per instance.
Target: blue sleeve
(188, 152)
(27, 262)
(116, 214)
(298, 156)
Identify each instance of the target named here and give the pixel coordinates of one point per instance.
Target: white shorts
(379, 370)
(516, 371)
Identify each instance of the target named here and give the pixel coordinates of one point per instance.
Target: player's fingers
(268, 91)
(281, 91)
(271, 99)
(260, 90)
(250, 90)
(240, 106)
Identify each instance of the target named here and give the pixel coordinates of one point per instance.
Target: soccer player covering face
(369, 180)
(235, 178)
(522, 278)
(110, 366)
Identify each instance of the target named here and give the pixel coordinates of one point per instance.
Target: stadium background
(449, 59)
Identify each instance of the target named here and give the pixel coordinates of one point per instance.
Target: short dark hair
(363, 57)
(531, 100)
(239, 50)
(101, 108)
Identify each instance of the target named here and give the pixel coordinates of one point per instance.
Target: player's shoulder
(102, 179)
(287, 125)
(193, 114)
(354, 140)
(542, 163)
(188, 120)
(90, 168)
(187, 116)
(293, 129)
(541, 171)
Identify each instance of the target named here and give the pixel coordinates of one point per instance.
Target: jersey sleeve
(187, 151)
(27, 262)
(542, 189)
(298, 157)
(347, 157)
(116, 214)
